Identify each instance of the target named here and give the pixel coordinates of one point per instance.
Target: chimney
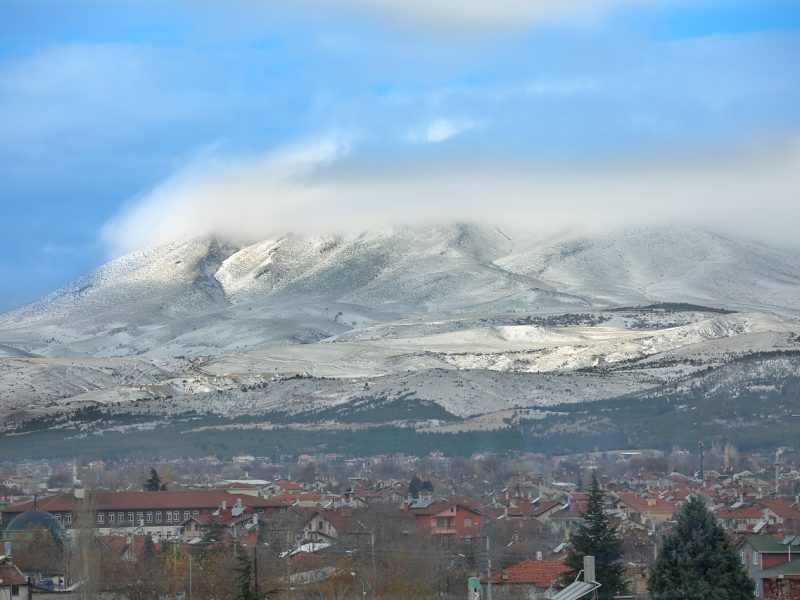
(538, 555)
(588, 568)
(238, 503)
(224, 505)
(79, 491)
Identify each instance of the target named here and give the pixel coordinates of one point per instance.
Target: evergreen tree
(414, 486)
(149, 551)
(244, 576)
(153, 484)
(596, 537)
(697, 561)
(426, 486)
(213, 533)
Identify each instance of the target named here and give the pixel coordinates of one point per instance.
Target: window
(121, 517)
(195, 513)
(169, 517)
(58, 517)
(130, 517)
(139, 517)
(149, 517)
(101, 518)
(111, 517)
(158, 517)
(68, 518)
(467, 522)
(186, 514)
(176, 516)
(14, 590)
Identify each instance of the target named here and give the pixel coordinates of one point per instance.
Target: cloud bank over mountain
(331, 185)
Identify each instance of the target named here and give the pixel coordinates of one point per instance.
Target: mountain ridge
(477, 321)
(374, 277)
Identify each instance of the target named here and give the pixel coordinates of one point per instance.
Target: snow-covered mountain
(203, 319)
(203, 296)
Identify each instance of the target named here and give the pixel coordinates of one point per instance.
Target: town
(388, 526)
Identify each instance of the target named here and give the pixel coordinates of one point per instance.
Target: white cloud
(323, 187)
(442, 129)
(242, 198)
(486, 13)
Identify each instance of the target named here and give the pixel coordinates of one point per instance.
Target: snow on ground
(474, 319)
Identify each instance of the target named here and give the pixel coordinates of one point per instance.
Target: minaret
(77, 485)
(702, 472)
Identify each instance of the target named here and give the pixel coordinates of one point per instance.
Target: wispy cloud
(442, 129)
(241, 198)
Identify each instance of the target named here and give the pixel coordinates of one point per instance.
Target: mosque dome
(34, 518)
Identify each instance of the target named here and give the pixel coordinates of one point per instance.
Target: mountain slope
(204, 296)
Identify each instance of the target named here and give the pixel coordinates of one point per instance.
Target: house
(569, 516)
(523, 509)
(13, 584)
(645, 510)
(282, 486)
(446, 516)
(528, 580)
(739, 518)
(761, 553)
(782, 581)
(325, 525)
(781, 512)
(219, 524)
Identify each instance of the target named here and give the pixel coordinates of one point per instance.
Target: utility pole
(488, 571)
(778, 472)
(190, 576)
(255, 567)
(488, 563)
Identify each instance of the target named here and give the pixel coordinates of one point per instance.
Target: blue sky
(121, 122)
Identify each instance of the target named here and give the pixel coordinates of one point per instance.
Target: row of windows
(158, 516)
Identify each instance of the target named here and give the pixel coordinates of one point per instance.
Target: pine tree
(597, 537)
(414, 486)
(153, 484)
(244, 576)
(697, 561)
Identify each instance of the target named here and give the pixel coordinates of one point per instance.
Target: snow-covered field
(475, 319)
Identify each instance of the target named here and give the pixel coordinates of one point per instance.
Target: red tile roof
(738, 513)
(782, 508)
(646, 505)
(12, 576)
(443, 504)
(542, 573)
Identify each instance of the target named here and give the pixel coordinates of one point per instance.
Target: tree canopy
(154, 483)
(697, 561)
(596, 537)
(417, 485)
